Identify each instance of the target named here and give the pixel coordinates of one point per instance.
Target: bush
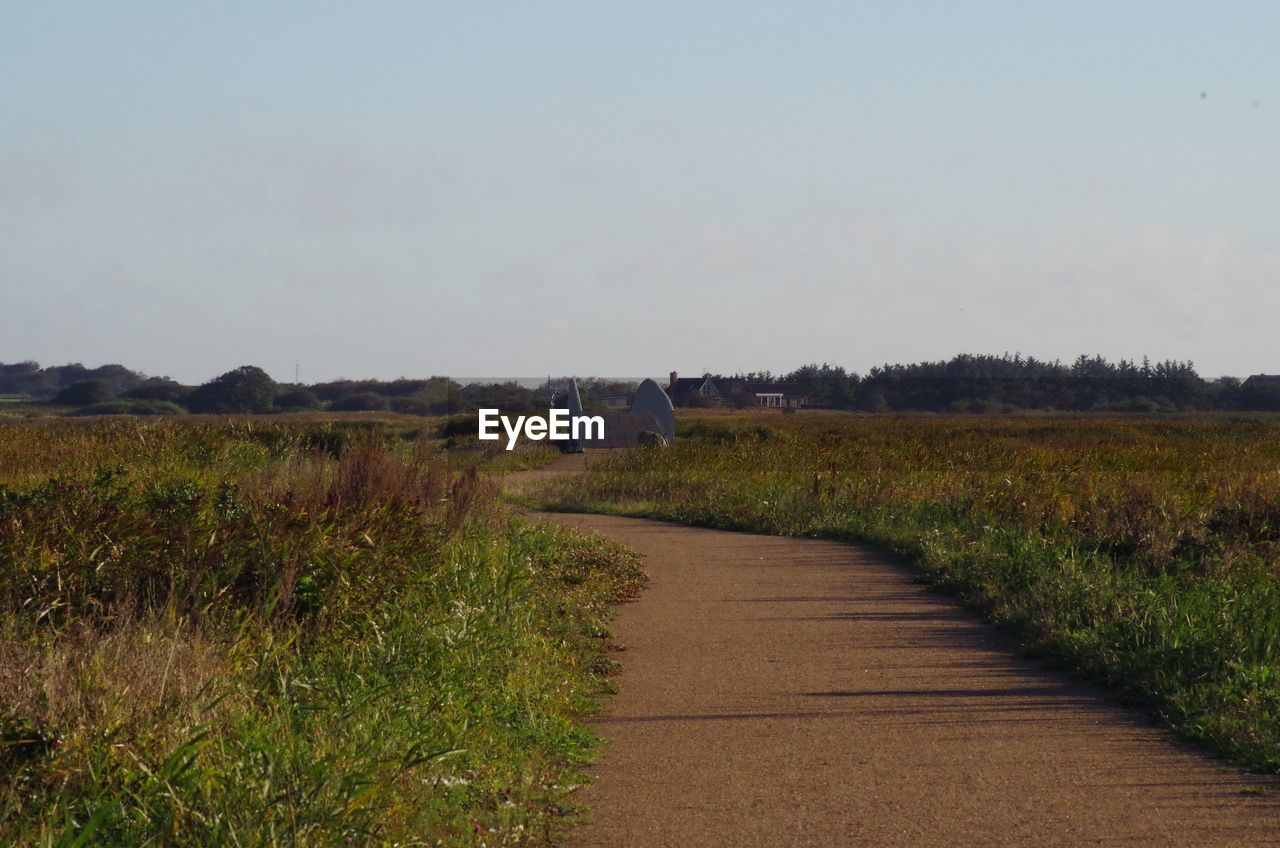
(297, 398)
(84, 392)
(160, 389)
(363, 402)
(459, 425)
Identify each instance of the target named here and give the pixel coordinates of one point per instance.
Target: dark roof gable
(684, 385)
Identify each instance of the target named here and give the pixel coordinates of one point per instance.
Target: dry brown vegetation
(246, 633)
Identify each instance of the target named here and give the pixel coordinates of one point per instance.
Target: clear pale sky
(533, 188)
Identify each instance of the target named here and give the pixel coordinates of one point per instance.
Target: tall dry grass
(303, 634)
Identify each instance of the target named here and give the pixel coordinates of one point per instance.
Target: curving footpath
(793, 692)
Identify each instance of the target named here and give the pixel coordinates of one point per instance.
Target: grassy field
(1140, 552)
(286, 632)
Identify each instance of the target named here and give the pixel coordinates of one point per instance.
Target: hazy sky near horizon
(592, 188)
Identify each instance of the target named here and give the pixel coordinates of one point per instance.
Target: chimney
(672, 384)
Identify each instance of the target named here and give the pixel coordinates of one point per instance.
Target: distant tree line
(983, 383)
(965, 383)
(114, 389)
(30, 380)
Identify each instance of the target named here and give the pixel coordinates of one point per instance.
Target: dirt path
(792, 692)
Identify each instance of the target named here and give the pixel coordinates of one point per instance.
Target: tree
(825, 385)
(246, 389)
(1224, 393)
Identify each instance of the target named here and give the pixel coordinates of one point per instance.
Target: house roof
(686, 385)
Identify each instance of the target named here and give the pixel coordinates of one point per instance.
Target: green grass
(129, 406)
(1142, 553)
(287, 633)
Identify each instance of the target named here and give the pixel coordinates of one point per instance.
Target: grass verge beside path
(286, 634)
(1142, 553)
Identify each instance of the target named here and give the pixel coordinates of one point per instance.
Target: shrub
(297, 398)
(362, 402)
(84, 392)
(160, 389)
(459, 425)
